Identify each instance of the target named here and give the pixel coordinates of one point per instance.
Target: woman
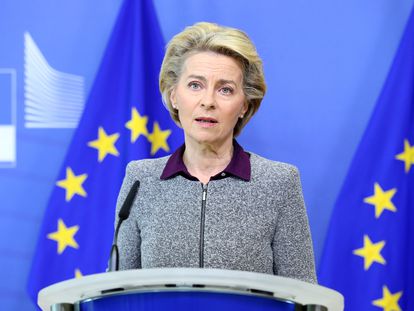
(211, 204)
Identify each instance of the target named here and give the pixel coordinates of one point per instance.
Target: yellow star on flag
(388, 302)
(158, 139)
(137, 125)
(105, 144)
(407, 155)
(78, 274)
(371, 252)
(64, 236)
(381, 200)
(72, 184)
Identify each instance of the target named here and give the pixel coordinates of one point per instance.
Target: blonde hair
(223, 40)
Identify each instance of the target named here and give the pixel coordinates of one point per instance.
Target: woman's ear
(245, 108)
(173, 99)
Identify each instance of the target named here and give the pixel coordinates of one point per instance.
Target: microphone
(123, 214)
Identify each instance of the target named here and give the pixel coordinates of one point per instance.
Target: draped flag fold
(369, 251)
(123, 120)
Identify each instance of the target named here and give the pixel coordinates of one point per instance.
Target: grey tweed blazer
(258, 225)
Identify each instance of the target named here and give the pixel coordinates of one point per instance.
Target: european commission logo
(52, 99)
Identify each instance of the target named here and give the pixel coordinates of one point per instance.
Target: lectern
(187, 289)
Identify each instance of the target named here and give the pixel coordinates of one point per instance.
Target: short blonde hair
(223, 40)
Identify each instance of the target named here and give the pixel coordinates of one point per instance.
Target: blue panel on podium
(185, 301)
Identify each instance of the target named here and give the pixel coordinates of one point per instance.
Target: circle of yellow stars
(105, 144)
(371, 252)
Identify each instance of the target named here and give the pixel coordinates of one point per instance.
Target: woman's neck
(206, 160)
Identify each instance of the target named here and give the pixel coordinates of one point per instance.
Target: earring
(241, 117)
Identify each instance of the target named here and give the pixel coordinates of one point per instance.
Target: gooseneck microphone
(123, 214)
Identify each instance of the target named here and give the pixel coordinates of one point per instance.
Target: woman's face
(209, 97)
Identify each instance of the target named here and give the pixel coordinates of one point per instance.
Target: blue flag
(124, 119)
(369, 251)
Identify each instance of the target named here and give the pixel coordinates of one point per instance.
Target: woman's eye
(194, 85)
(226, 90)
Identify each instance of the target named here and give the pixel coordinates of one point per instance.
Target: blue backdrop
(325, 64)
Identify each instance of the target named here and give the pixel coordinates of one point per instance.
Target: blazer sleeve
(292, 243)
(129, 239)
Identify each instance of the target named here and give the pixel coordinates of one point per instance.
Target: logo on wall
(52, 99)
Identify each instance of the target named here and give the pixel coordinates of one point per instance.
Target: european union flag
(369, 252)
(124, 119)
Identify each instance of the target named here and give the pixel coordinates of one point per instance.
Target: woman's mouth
(206, 121)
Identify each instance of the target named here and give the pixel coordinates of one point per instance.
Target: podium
(187, 289)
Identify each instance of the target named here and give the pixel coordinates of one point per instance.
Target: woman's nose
(208, 100)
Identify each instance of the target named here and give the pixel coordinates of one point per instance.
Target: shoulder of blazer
(140, 169)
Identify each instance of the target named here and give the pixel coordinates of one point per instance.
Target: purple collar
(239, 165)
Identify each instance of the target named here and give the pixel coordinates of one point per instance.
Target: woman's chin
(204, 139)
